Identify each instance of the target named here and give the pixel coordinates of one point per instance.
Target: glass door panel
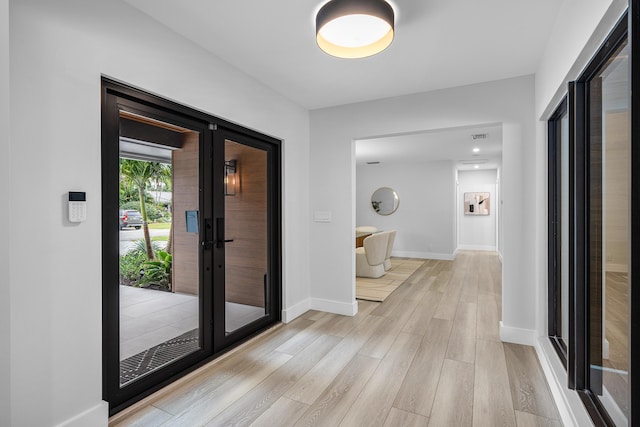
(159, 285)
(246, 234)
(609, 225)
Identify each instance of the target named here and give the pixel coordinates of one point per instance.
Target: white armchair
(370, 258)
(392, 239)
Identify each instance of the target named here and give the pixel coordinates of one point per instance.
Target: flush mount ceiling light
(354, 28)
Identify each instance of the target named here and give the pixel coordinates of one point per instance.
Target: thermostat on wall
(77, 206)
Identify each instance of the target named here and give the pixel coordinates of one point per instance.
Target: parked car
(130, 218)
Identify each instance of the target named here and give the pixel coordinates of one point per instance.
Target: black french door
(191, 239)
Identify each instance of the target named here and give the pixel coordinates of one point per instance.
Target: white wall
(5, 212)
(580, 28)
(333, 130)
(425, 217)
(477, 232)
(58, 52)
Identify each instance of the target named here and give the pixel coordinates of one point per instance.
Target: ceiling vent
(373, 163)
(479, 136)
(474, 162)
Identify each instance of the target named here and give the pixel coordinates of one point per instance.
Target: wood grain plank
(208, 405)
(338, 396)
(423, 313)
(462, 342)
(470, 283)
(376, 399)
(449, 303)
(488, 320)
(247, 408)
(419, 387)
(383, 337)
(455, 385)
(147, 417)
(492, 403)
(284, 413)
(314, 382)
(529, 389)
(300, 341)
(212, 376)
(524, 419)
(398, 417)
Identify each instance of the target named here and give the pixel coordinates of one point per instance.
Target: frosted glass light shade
(354, 28)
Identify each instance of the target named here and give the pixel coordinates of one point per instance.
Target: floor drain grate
(153, 358)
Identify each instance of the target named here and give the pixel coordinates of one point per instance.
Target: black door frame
(116, 96)
(634, 263)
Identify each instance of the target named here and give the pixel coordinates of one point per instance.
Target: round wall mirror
(385, 201)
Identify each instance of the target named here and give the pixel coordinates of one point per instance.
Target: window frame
(554, 241)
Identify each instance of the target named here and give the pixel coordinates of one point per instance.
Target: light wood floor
(429, 355)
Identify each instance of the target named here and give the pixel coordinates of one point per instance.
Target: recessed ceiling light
(476, 150)
(354, 28)
(476, 166)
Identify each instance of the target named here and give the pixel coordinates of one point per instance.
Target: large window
(593, 239)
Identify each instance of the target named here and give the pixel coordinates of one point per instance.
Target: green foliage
(157, 272)
(130, 264)
(133, 262)
(132, 205)
(139, 246)
(155, 212)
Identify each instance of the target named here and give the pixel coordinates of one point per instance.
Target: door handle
(220, 240)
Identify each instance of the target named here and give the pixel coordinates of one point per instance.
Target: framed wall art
(477, 203)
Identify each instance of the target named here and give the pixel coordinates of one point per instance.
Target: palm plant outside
(141, 173)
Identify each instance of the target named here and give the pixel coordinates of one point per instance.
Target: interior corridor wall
(59, 50)
(333, 131)
(425, 218)
(5, 220)
(477, 232)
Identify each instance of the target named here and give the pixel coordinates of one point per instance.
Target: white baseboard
(617, 268)
(97, 416)
(296, 310)
(336, 307)
(476, 248)
(517, 335)
(572, 411)
(424, 255)
(613, 409)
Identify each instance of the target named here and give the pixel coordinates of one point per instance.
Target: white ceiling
(438, 44)
(449, 144)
